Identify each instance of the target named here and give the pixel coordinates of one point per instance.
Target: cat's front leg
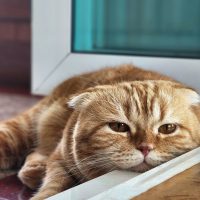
(16, 140)
(56, 180)
(33, 170)
(52, 186)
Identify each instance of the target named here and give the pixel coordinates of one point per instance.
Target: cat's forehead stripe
(144, 100)
(137, 102)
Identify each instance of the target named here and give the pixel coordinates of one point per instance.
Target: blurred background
(15, 68)
(15, 45)
(131, 27)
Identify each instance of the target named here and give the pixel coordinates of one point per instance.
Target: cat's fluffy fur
(66, 139)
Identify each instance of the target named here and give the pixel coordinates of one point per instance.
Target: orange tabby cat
(115, 118)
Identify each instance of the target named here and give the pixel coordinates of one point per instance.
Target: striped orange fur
(116, 118)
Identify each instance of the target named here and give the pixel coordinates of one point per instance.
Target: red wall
(15, 43)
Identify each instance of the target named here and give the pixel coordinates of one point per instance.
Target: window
(137, 27)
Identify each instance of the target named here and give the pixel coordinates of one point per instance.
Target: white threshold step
(124, 185)
(95, 186)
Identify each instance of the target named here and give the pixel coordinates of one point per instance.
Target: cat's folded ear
(192, 96)
(194, 99)
(80, 100)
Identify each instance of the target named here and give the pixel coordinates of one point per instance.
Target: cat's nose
(145, 148)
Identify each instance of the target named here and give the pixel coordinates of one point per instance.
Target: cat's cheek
(154, 159)
(128, 161)
(143, 167)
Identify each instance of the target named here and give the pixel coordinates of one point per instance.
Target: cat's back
(105, 76)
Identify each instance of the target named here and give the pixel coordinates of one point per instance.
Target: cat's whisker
(89, 163)
(86, 163)
(94, 171)
(96, 155)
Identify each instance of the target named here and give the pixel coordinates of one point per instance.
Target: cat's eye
(119, 127)
(167, 128)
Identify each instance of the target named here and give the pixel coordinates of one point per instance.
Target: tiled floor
(12, 104)
(12, 189)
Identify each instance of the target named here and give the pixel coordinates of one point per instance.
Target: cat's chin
(142, 167)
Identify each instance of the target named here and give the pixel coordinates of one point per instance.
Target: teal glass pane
(137, 27)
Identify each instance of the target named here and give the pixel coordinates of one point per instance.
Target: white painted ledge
(122, 185)
(95, 186)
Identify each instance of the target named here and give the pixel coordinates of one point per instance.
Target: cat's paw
(32, 174)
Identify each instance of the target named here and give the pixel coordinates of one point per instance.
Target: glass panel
(137, 27)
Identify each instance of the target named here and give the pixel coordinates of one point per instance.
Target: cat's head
(134, 125)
